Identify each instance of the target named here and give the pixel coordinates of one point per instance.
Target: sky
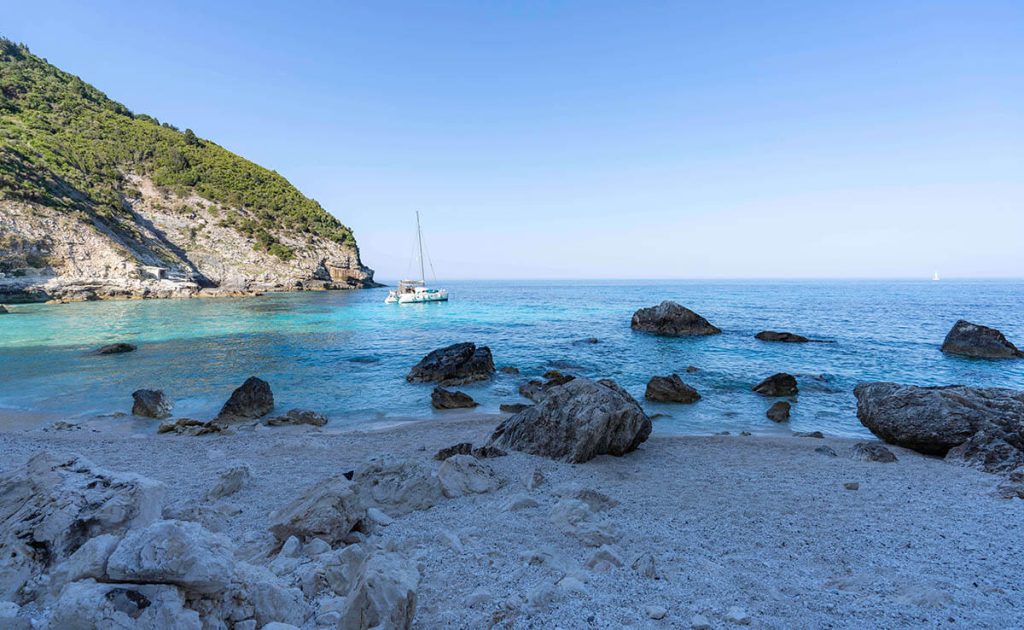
(590, 139)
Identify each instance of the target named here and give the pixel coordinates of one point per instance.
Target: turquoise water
(346, 353)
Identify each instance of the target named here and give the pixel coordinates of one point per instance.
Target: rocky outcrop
(535, 390)
(670, 319)
(328, 510)
(442, 398)
(462, 448)
(512, 407)
(576, 422)
(988, 422)
(785, 337)
(780, 384)
(298, 417)
(670, 389)
(253, 399)
(779, 412)
(464, 474)
(189, 426)
(151, 403)
(116, 348)
(454, 365)
(397, 486)
(975, 340)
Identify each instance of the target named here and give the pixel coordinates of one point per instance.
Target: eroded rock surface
(454, 365)
(975, 340)
(151, 403)
(670, 319)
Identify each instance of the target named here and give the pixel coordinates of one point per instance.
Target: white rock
(397, 486)
(451, 539)
(9, 619)
(700, 622)
(737, 615)
(248, 624)
(89, 561)
(568, 513)
(604, 560)
(87, 605)
(330, 510)
(174, 552)
(541, 597)
(464, 474)
(229, 482)
(520, 502)
(335, 571)
(384, 595)
(645, 565)
(595, 534)
(478, 598)
(572, 585)
(378, 516)
(535, 479)
(277, 625)
(656, 612)
(315, 547)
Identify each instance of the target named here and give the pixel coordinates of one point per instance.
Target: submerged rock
(670, 319)
(508, 369)
(780, 384)
(454, 365)
(442, 398)
(779, 412)
(933, 420)
(116, 348)
(670, 389)
(975, 340)
(576, 422)
(253, 399)
(151, 403)
(298, 416)
(786, 337)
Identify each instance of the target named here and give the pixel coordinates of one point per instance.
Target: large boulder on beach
(253, 399)
(934, 420)
(397, 486)
(670, 388)
(780, 384)
(91, 605)
(577, 421)
(174, 552)
(330, 510)
(455, 365)
(987, 451)
(975, 340)
(151, 403)
(670, 319)
(785, 337)
(383, 593)
(442, 398)
(51, 506)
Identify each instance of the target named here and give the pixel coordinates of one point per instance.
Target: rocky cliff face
(175, 247)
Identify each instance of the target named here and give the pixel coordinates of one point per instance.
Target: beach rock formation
(151, 403)
(89, 604)
(873, 452)
(454, 365)
(975, 340)
(462, 448)
(786, 337)
(328, 510)
(670, 389)
(935, 420)
(189, 426)
(670, 319)
(382, 595)
(780, 384)
(397, 486)
(464, 474)
(512, 407)
(297, 417)
(116, 348)
(230, 481)
(253, 399)
(174, 552)
(779, 412)
(577, 421)
(442, 398)
(535, 390)
(988, 452)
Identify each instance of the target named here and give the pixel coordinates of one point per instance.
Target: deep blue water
(346, 353)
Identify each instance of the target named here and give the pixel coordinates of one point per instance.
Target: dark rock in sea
(987, 452)
(364, 359)
(974, 340)
(462, 448)
(298, 416)
(3, 311)
(659, 416)
(587, 341)
(577, 421)
(513, 407)
(779, 412)
(442, 398)
(454, 365)
(151, 403)
(692, 369)
(553, 374)
(535, 390)
(508, 369)
(810, 434)
(933, 420)
(116, 348)
(670, 319)
(873, 452)
(826, 450)
(253, 399)
(787, 337)
(780, 384)
(670, 388)
(488, 451)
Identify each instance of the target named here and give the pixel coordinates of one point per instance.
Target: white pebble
(738, 616)
(656, 612)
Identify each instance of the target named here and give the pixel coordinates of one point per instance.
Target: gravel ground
(761, 524)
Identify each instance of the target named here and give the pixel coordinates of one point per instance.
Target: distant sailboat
(416, 291)
(935, 276)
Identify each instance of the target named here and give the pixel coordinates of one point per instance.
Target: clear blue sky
(600, 139)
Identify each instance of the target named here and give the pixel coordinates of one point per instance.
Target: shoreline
(761, 524)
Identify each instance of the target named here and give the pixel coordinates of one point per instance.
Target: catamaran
(416, 291)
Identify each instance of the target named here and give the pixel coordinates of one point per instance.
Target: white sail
(416, 291)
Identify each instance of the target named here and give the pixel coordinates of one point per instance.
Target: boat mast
(419, 238)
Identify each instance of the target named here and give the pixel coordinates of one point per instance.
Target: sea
(346, 353)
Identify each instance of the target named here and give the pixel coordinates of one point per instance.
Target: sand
(761, 524)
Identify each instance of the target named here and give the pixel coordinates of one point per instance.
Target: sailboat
(416, 291)
(935, 276)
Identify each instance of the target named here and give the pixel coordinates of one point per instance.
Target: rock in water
(3, 310)
(576, 422)
(298, 416)
(455, 365)
(933, 420)
(670, 389)
(151, 403)
(974, 340)
(330, 510)
(442, 398)
(780, 384)
(670, 319)
(51, 507)
(116, 348)
(786, 337)
(252, 400)
(873, 452)
(174, 552)
(779, 412)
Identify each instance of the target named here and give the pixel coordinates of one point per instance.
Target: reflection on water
(346, 353)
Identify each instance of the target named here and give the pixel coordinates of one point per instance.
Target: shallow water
(346, 353)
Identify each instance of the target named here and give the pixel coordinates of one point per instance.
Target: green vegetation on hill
(64, 144)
